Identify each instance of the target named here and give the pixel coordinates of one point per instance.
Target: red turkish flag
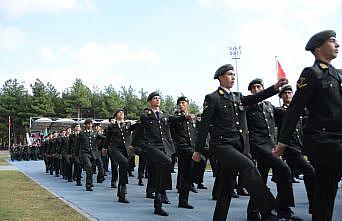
(281, 72)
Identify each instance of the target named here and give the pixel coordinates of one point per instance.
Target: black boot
(287, 213)
(158, 206)
(150, 195)
(234, 194)
(193, 188)
(254, 216)
(113, 184)
(183, 200)
(201, 186)
(242, 191)
(100, 179)
(164, 198)
(122, 190)
(78, 183)
(89, 188)
(140, 182)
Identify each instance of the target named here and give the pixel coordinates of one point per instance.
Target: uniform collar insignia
(221, 92)
(323, 66)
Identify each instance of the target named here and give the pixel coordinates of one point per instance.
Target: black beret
(318, 39)
(182, 98)
(255, 81)
(88, 121)
(151, 95)
(117, 111)
(285, 88)
(223, 69)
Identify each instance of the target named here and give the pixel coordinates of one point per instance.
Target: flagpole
(9, 132)
(276, 62)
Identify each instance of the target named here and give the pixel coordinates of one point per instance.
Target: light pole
(235, 53)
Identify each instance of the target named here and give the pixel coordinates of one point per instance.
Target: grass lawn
(22, 199)
(3, 158)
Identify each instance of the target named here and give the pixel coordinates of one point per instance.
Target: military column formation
(241, 134)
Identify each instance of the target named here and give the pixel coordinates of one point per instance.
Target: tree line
(44, 100)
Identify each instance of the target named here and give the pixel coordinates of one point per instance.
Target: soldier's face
(88, 126)
(183, 106)
(286, 96)
(329, 49)
(77, 128)
(256, 88)
(155, 101)
(120, 116)
(227, 79)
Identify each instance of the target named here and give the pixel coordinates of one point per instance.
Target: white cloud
(47, 53)
(11, 38)
(96, 64)
(95, 54)
(294, 9)
(14, 9)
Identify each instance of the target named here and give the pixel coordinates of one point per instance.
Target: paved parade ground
(101, 204)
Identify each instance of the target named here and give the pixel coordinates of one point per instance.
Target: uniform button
(124, 142)
(235, 105)
(266, 120)
(237, 123)
(323, 129)
(240, 131)
(236, 114)
(190, 138)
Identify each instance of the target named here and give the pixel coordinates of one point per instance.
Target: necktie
(157, 114)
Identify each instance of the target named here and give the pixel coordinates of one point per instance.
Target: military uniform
(118, 138)
(67, 158)
(76, 158)
(159, 147)
(44, 153)
(230, 146)
(294, 154)
(184, 136)
(90, 155)
(58, 156)
(319, 89)
(142, 165)
(261, 125)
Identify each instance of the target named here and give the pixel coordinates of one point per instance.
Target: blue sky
(174, 46)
